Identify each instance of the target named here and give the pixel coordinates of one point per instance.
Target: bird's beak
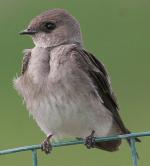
(28, 32)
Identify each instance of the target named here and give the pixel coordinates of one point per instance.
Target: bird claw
(90, 140)
(46, 146)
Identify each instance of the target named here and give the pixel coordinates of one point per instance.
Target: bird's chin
(41, 44)
(37, 42)
(40, 41)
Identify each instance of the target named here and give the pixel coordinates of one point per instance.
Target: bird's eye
(49, 26)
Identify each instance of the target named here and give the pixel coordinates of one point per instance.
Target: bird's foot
(90, 141)
(46, 145)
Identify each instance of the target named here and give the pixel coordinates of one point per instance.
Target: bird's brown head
(54, 27)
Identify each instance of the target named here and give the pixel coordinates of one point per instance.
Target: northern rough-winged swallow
(65, 88)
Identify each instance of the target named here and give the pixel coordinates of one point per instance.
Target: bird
(67, 89)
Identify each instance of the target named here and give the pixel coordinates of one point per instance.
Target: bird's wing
(25, 61)
(100, 79)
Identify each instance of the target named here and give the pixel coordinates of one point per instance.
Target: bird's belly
(65, 106)
(71, 115)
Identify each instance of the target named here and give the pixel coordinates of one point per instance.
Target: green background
(116, 31)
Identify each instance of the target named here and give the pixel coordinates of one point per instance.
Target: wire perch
(34, 148)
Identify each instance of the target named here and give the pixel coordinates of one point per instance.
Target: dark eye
(49, 26)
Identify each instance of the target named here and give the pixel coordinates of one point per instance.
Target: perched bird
(66, 88)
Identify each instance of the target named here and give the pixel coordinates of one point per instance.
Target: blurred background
(117, 32)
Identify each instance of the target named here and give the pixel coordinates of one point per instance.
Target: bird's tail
(112, 146)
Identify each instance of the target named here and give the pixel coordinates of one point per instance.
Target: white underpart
(59, 100)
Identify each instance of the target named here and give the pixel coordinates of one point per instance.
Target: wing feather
(98, 75)
(25, 61)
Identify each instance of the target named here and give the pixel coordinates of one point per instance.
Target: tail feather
(110, 146)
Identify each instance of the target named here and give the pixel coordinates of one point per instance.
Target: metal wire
(34, 157)
(34, 148)
(134, 152)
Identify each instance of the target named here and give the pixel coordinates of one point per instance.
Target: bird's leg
(90, 140)
(46, 145)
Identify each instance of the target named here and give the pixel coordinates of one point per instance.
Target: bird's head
(54, 27)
